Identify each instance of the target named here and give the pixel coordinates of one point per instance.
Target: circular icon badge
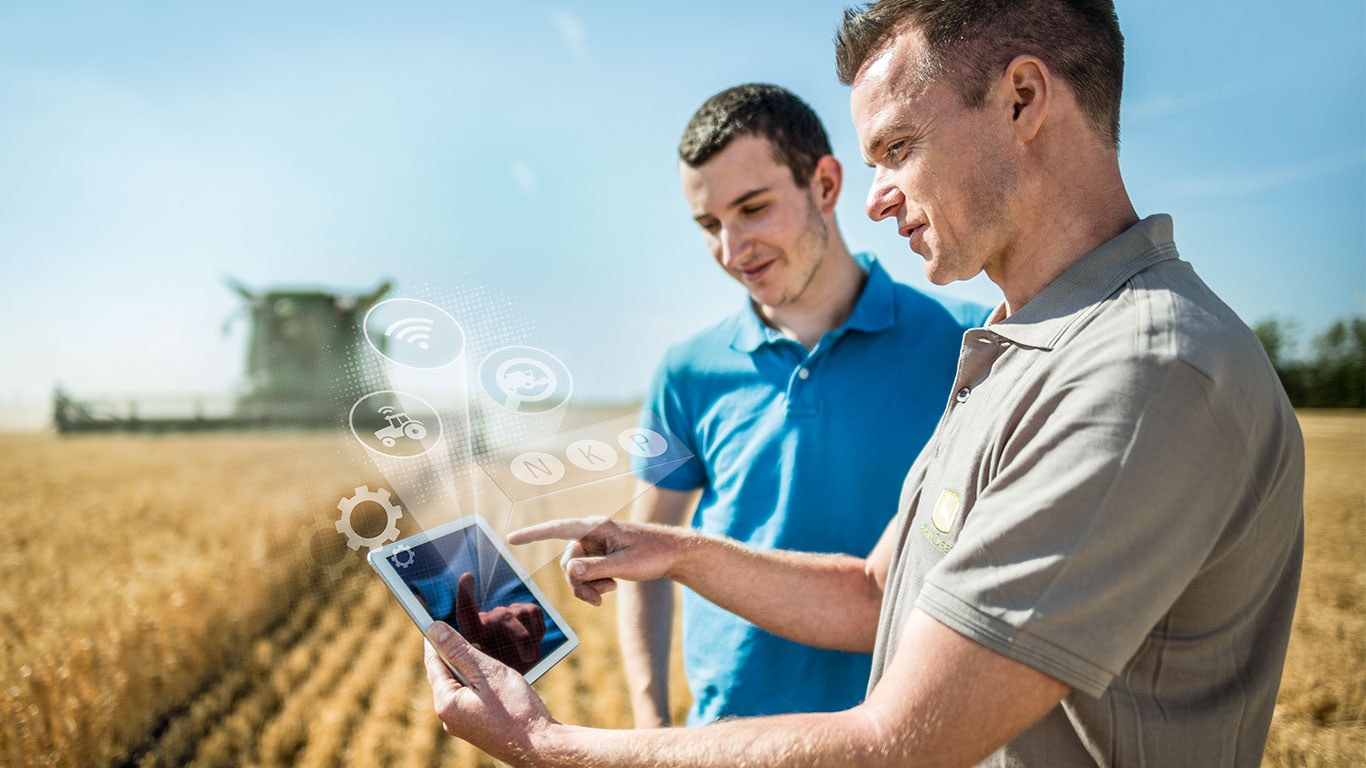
(395, 424)
(537, 468)
(413, 333)
(645, 443)
(593, 455)
(525, 379)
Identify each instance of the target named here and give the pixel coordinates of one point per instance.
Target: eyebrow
(746, 197)
(738, 201)
(879, 139)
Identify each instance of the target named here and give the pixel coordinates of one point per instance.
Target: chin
(769, 298)
(941, 273)
(936, 273)
(767, 301)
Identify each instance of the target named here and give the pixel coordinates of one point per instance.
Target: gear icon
(399, 558)
(392, 513)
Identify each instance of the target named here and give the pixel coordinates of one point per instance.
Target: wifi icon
(413, 333)
(411, 330)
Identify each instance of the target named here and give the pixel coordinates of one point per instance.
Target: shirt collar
(1044, 320)
(874, 311)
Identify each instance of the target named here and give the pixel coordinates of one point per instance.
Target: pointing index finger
(466, 610)
(567, 530)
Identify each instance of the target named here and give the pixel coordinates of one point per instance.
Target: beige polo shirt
(1114, 496)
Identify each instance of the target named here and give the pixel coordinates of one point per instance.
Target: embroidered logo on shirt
(946, 510)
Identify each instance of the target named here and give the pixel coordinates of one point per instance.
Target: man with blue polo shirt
(803, 410)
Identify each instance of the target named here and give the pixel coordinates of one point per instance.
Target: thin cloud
(525, 179)
(1158, 106)
(1264, 179)
(573, 35)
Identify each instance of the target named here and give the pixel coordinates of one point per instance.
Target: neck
(1077, 209)
(827, 301)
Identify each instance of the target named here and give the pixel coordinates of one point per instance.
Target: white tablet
(462, 574)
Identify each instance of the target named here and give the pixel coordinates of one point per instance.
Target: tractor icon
(398, 435)
(400, 425)
(515, 381)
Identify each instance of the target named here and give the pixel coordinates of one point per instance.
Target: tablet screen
(461, 574)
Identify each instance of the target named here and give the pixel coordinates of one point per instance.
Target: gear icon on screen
(403, 556)
(392, 514)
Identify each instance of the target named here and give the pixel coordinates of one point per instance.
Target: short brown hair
(970, 42)
(791, 127)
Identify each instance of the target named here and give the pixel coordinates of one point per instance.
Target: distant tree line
(1334, 373)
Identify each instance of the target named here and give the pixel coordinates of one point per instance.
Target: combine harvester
(302, 347)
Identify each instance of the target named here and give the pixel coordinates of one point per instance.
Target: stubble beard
(990, 191)
(815, 237)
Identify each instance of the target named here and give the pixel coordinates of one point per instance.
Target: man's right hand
(604, 550)
(826, 600)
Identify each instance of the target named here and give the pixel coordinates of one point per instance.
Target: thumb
(594, 568)
(588, 578)
(449, 652)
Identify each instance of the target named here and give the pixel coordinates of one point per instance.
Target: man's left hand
(498, 711)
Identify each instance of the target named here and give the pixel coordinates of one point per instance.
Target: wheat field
(184, 600)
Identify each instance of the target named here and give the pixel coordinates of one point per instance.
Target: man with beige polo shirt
(1096, 557)
(1113, 499)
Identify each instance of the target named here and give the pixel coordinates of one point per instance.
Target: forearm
(828, 601)
(837, 740)
(943, 702)
(645, 627)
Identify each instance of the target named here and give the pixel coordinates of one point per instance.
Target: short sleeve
(663, 414)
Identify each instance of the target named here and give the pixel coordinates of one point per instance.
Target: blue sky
(149, 149)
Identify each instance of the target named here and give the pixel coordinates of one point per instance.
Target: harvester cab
(301, 351)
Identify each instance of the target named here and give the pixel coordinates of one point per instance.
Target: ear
(826, 182)
(1029, 87)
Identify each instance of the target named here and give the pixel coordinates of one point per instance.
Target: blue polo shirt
(804, 451)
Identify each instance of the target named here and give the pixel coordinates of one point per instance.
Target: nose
(734, 244)
(884, 199)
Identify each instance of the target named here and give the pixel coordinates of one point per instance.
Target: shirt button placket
(962, 395)
(801, 397)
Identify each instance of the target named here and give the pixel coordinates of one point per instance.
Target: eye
(710, 226)
(896, 150)
(750, 210)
